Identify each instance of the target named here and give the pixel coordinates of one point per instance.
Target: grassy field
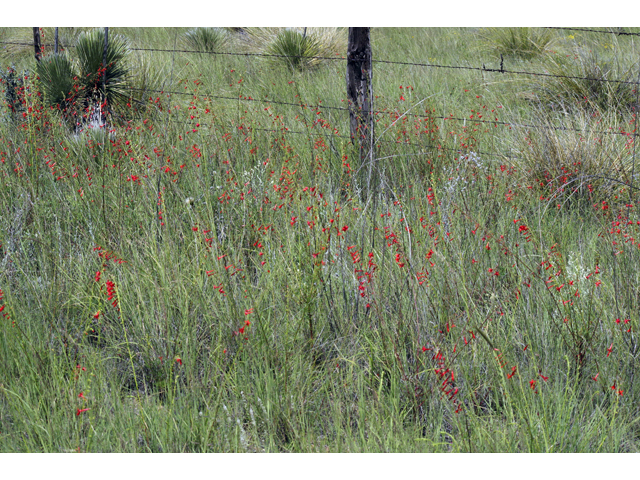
(210, 273)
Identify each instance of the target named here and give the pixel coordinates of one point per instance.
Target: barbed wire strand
(389, 62)
(284, 130)
(594, 31)
(378, 112)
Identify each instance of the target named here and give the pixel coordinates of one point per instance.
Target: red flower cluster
(446, 375)
(111, 291)
(5, 315)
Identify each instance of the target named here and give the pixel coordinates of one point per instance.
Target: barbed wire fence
(632, 133)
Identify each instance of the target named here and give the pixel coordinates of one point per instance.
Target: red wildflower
(81, 410)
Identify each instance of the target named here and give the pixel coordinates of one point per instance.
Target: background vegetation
(206, 272)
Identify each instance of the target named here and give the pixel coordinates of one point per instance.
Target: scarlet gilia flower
(81, 411)
(179, 360)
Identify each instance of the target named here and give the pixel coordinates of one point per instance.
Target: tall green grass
(210, 276)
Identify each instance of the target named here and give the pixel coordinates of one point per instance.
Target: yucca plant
(84, 83)
(206, 39)
(295, 49)
(57, 79)
(522, 42)
(99, 84)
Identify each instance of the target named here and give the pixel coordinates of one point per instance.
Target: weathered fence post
(55, 47)
(360, 95)
(37, 44)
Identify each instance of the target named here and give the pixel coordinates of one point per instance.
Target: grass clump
(522, 42)
(206, 39)
(572, 155)
(296, 47)
(295, 50)
(588, 81)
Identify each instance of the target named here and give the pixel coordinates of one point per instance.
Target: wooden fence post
(37, 44)
(360, 94)
(55, 47)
